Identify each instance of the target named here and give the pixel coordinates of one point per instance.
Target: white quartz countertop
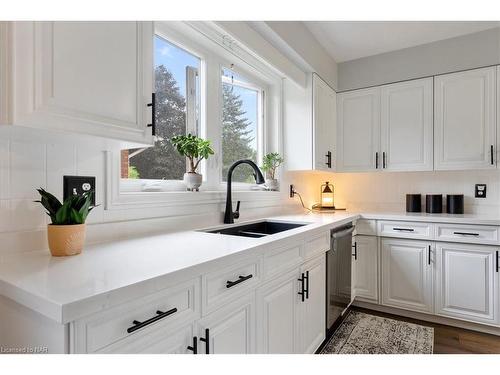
(64, 289)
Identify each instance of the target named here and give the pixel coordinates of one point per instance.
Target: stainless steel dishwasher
(338, 276)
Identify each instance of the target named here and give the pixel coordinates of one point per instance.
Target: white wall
(387, 191)
(460, 53)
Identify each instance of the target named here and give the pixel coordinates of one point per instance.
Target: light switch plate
(480, 191)
(73, 185)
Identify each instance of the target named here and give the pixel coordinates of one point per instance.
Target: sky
(176, 59)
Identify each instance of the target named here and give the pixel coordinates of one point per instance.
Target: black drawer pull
(153, 113)
(429, 256)
(230, 284)
(306, 277)
(497, 265)
(160, 315)
(206, 340)
(328, 159)
(491, 155)
(404, 229)
(355, 255)
(194, 348)
(302, 292)
(466, 234)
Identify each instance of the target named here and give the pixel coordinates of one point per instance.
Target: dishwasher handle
(342, 233)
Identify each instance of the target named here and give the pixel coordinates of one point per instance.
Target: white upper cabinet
(324, 124)
(406, 126)
(467, 282)
(358, 142)
(91, 78)
(464, 120)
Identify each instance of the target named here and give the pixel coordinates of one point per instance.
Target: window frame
(200, 39)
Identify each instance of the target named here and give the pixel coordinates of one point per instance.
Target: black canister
(434, 203)
(455, 203)
(413, 203)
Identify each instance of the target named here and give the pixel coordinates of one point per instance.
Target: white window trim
(213, 190)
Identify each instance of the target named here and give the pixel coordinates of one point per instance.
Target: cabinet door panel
(312, 319)
(231, 329)
(467, 285)
(407, 274)
(324, 124)
(85, 77)
(365, 268)
(464, 120)
(277, 315)
(406, 125)
(358, 130)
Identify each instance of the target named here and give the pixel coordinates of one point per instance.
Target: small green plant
(74, 210)
(271, 162)
(133, 172)
(194, 148)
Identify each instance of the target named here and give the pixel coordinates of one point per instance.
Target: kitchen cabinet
(464, 120)
(365, 268)
(229, 330)
(311, 311)
(358, 140)
(467, 282)
(310, 125)
(324, 124)
(407, 274)
(92, 78)
(406, 126)
(277, 320)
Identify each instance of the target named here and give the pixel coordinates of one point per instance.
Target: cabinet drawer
(221, 286)
(366, 227)
(104, 328)
(405, 229)
(277, 261)
(317, 245)
(481, 234)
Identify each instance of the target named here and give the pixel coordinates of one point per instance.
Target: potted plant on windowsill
(195, 149)
(66, 233)
(270, 163)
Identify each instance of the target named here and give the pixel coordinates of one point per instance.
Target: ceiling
(349, 40)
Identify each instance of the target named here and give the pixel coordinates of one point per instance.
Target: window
(241, 124)
(177, 112)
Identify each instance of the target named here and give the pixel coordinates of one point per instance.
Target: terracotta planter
(66, 240)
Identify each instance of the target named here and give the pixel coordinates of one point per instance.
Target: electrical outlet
(480, 191)
(292, 191)
(73, 185)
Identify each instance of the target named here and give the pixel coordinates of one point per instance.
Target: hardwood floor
(451, 340)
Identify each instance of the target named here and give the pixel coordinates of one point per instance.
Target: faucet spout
(259, 179)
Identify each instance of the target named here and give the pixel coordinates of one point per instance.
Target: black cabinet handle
(153, 113)
(404, 229)
(466, 234)
(160, 315)
(383, 160)
(329, 159)
(355, 246)
(302, 292)
(306, 290)
(194, 348)
(429, 257)
(376, 160)
(206, 340)
(230, 284)
(491, 155)
(497, 265)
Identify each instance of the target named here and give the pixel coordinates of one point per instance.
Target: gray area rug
(362, 333)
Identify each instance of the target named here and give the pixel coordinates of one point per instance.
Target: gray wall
(463, 52)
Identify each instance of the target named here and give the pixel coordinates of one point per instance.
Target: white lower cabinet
(365, 268)
(277, 307)
(467, 282)
(229, 330)
(311, 312)
(407, 273)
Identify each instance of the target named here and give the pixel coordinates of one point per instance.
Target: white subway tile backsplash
(4, 169)
(27, 169)
(61, 161)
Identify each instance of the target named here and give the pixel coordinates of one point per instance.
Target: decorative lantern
(327, 196)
